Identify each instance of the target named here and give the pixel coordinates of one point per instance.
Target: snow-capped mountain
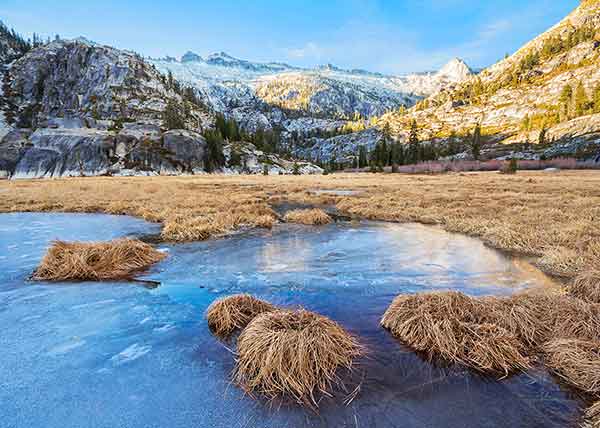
(274, 94)
(455, 71)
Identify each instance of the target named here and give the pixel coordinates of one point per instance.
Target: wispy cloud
(310, 50)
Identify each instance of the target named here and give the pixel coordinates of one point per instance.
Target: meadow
(551, 217)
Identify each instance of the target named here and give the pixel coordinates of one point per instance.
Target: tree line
(391, 153)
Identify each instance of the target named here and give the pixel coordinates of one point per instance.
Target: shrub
(511, 167)
(265, 221)
(587, 286)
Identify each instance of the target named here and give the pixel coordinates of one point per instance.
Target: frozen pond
(120, 355)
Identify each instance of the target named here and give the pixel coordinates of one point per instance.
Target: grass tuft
(587, 286)
(592, 416)
(96, 261)
(577, 362)
(310, 217)
(294, 354)
(458, 329)
(227, 315)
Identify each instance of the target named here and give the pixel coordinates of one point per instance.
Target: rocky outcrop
(76, 152)
(342, 148)
(250, 160)
(91, 82)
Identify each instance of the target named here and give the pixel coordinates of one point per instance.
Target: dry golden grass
(551, 216)
(587, 286)
(592, 416)
(96, 261)
(459, 329)
(309, 217)
(232, 313)
(577, 362)
(573, 318)
(294, 354)
(456, 328)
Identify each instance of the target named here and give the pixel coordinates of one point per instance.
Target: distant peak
(456, 70)
(190, 56)
(221, 55)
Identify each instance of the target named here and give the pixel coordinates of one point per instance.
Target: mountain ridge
(517, 101)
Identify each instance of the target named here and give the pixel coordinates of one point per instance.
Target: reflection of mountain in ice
(106, 355)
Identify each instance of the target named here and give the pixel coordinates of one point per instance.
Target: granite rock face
(78, 79)
(82, 152)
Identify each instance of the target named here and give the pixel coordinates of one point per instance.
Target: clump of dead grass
(96, 261)
(310, 217)
(573, 318)
(459, 329)
(264, 221)
(577, 362)
(232, 313)
(592, 416)
(587, 286)
(294, 354)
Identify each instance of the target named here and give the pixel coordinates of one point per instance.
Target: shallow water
(110, 354)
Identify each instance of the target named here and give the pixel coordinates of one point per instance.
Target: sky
(388, 36)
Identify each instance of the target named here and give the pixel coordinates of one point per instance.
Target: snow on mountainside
(275, 94)
(78, 108)
(455, 71)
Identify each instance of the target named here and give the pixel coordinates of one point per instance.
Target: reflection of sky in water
(105, 355)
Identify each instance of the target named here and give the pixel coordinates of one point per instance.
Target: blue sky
(391, 36)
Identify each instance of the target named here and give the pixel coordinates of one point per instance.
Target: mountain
(270, 95)
(455, 71)
(548, 90)
(74, 107)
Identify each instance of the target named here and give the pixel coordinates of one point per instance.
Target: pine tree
(476, 142)
(235, 158)
(413, 143)
(542, 137)
(452, 146)
(597, 99)
(565, 100)
(170, 80)
(383, 158)
(213, 157)
(173, 116)
(362, 157)
(581, 100)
